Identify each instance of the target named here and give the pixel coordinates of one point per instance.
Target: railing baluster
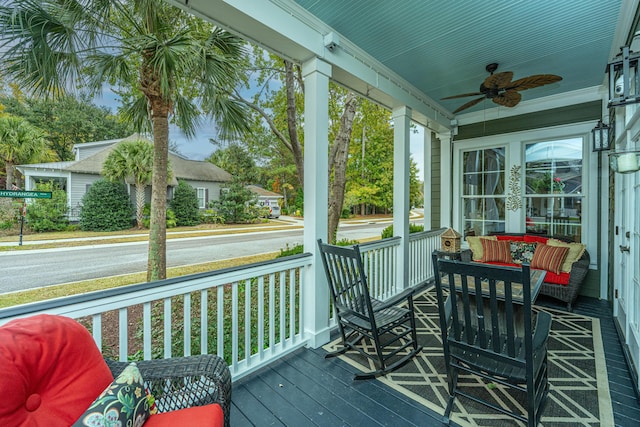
(146, 330)
(123, 334)
(260, 319)
(167, 328)
(204, 321)
(186, 309)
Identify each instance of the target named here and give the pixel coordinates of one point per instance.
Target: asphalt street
(26, 269)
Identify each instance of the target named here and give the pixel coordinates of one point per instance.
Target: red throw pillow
(549, 258)
(496, 251)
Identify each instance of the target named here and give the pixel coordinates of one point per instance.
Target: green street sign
(25, 194)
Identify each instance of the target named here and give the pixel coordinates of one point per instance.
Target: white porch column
(446, 187)
(426, 186)
(316, 75)
(401, 154)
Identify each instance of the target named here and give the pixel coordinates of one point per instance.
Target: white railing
(258, 306)
(421, 246)
(250, 315)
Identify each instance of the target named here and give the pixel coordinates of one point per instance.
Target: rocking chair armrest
(542, 328)
(407, 295)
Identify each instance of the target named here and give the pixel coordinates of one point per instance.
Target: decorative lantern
(624, 83)
(601, 140)
(450, 240)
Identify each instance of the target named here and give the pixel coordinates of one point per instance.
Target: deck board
(304, 388)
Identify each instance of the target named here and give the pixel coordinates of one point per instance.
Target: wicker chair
(390, 327)
(492, 335)
(183, 382)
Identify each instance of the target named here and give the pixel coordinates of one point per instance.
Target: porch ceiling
(433, 49)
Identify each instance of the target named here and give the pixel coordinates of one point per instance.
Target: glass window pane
(553, 188)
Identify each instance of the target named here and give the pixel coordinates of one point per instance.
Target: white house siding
(79, 184)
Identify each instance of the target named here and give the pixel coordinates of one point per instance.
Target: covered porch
(270, 320)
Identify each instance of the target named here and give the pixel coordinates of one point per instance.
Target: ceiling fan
(500, 89)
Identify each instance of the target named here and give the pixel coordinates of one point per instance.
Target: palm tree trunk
(9, 174)
(139, 203)
(157, 262)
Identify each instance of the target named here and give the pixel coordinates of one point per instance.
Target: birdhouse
(450, 240)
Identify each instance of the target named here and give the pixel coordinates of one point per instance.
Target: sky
(199, 147)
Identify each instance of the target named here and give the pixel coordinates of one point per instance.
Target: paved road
(20, 270)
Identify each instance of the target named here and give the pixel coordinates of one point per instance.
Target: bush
(106, 207)
(48, 214)
(170, 220)
(237, 205)
(185, 205)
(413, 228)
(9, 213)
(210, 216)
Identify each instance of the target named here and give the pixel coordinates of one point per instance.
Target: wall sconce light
(601, 141)
(331, 41)
(624, 84)
(625, 161)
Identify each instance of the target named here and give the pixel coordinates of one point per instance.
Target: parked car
(274, 211)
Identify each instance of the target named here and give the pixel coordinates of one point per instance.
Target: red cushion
(510, 238)
(196, 416)
(532, 238)
(557, 279)
(496, 250)
(50, 371)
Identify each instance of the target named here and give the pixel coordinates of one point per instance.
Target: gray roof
(193, 170)
(262, 192)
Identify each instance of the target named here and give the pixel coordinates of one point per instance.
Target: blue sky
(199, 147)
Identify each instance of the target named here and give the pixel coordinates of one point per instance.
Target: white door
(627, 259)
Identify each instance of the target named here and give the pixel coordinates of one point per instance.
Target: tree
(167, 62)
(131, 161)
(237, 161)
(68, 120)
(237, 204)
(106, 207)
(185, 205)
(20, 143)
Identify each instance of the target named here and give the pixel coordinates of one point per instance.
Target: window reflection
(553, 188)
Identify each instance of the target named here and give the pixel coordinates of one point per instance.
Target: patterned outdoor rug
(579, 387)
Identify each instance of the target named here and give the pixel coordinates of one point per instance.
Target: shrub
(9, 213)
(48, 214)
(210, 216)
(413, 228)
(185, 205)
(237, 205)
(170, 220)
(106, 207)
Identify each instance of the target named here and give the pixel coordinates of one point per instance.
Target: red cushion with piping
(510, 238)
(532, 238)
(50, 371)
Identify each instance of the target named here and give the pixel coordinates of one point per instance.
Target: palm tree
(20, 142)
(131, 161)
(168, 64)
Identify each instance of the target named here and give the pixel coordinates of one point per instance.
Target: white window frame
(202, 197)
(514, 144)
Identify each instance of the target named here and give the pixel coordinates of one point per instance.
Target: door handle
(624, 248)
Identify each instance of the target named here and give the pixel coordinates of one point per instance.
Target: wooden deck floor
(305, 389)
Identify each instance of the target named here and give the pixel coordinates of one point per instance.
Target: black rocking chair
(391, 328)
(489, 332)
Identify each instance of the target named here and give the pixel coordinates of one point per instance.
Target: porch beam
(316, 74)
(401, 155)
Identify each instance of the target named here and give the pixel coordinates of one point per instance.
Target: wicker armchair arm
(182, 382)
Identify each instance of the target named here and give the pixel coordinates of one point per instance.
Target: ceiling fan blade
(533, 81)
(469, 104)
(498, 80)
(462, 95)
(509, 98)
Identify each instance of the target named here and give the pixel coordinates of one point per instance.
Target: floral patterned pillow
(123, 403)
(522, 251)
